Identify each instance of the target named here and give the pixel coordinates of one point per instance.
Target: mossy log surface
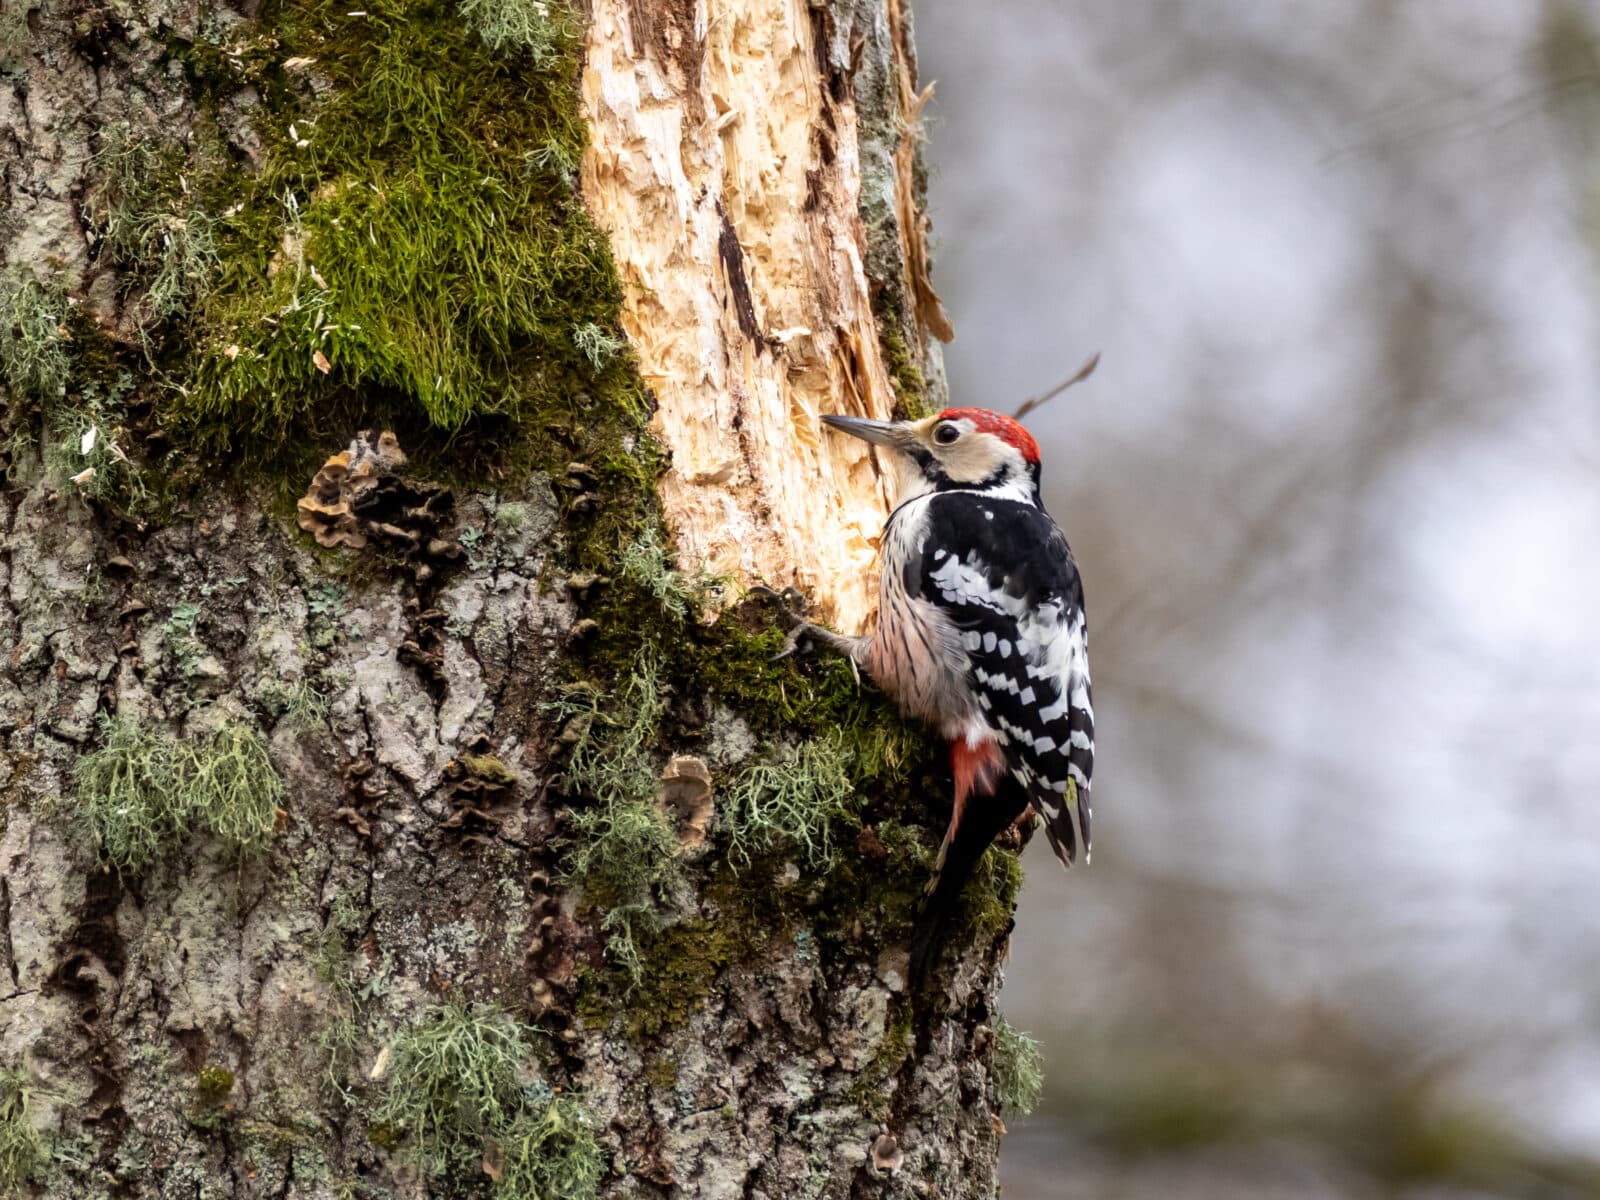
(477, 859)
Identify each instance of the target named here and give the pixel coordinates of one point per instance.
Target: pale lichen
(624, 849)
(34, 357)
(23, 1152)
(1018, 1068)
(460, 1093)
(144, 792)
(795, 798)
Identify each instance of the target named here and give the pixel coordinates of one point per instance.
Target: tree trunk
(397, 796)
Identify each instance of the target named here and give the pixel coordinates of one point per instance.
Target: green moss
(144, 792)
(897, 334)
(215, 1083)
(401, 258)
(623, 850)
(796, 798)
(990, 897)
(662, 1072)
(15, 44)
(683, 964)
(804, 696)
(827, 741)
(23, 1152)
(1018, 1069)
(881, 891)
(457, 1094)
(489, 769)
(910, 388)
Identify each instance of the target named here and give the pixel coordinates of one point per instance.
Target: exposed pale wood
(912, 223)
(729, 181)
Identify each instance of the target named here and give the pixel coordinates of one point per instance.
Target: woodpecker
(980, 634)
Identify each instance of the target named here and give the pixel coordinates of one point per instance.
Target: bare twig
(1083, 373)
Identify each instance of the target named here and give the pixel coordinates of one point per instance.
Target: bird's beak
(881, 433)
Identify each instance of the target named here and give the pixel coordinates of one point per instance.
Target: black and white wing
(1014, 593)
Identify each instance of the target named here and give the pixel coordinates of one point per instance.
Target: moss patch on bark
(370, 219)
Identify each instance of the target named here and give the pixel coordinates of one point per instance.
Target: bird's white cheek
(910, 482)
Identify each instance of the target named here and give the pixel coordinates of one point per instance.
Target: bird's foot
(792, 605)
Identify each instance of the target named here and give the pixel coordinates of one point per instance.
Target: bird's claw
(790, 603)
(792, 642)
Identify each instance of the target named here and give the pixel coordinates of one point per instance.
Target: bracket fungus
(686, 798)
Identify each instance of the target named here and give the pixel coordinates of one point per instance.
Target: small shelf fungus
(360, 497)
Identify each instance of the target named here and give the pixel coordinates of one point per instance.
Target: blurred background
(1335, 490)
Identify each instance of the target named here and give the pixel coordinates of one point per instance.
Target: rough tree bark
(428, 840)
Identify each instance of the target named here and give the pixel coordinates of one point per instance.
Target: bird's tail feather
(984, 817)
(1066, 823)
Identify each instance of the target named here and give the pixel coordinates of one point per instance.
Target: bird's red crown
(1007, 429)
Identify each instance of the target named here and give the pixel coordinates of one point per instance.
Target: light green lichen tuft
(598, 346)
(85, 437)
(144, 792)
(528, 25)
(549, 1150)
(23, 1152)
(34, 354)
(624, 848)
(232, 788)
(1018, 1068)
(150, 223)
(342, 971)
(649, 563)
(451, 1076)
(796, 798)
(128, 791)
(459, 1093)
(298, 704)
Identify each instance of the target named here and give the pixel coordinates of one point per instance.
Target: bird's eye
(945, 434)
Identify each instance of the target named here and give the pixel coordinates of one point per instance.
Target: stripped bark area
(725, 165)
